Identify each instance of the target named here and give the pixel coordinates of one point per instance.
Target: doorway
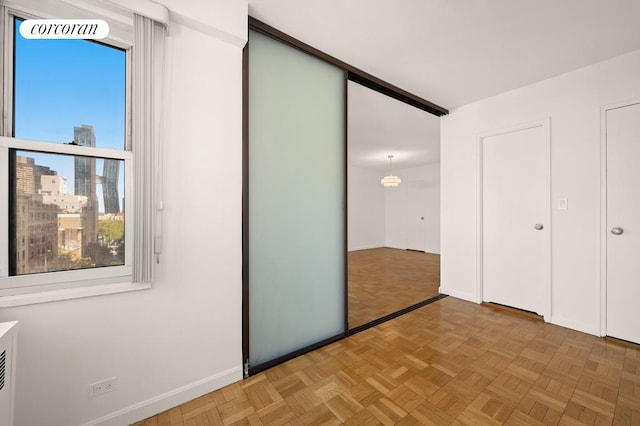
(417, 195)
(621, 220)
(514, 217)
(393, 259)
(295, 195)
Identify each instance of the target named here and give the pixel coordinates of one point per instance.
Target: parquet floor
(450, 362)
(385, 280)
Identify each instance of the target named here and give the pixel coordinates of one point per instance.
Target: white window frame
(60, 285)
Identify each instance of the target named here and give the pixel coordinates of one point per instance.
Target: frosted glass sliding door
(296, 195)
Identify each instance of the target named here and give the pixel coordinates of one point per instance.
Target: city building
(70, 230)
(29, 175)
(36, 235)
(54, 191)
(36, 227)
(85, 181)
(110, 175)
(85, 168)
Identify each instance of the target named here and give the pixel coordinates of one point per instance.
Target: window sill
(69, 293)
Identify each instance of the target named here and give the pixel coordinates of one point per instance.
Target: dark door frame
(350, 73)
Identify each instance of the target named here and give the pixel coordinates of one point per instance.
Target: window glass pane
(60, 85)
(68, 212)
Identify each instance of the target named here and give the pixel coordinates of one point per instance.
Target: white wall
(378, 216)
(181, 338)
(366, 209)
(573, 102)
(396, 208)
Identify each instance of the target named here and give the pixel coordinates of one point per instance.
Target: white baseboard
(364, 247)
(166, 401)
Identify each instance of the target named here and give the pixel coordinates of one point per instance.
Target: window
(58, 86)
(66, 158)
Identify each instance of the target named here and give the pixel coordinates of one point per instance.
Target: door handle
(617, 231)
(538, 227)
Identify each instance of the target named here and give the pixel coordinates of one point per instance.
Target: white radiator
(8, 336)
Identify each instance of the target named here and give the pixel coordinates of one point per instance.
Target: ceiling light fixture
(390, 180)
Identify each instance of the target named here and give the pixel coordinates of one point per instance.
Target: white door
(515, 218)
(416, 211)
(623, 222)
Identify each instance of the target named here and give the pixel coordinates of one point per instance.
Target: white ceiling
(450, 52)
(380, 125)
(453, 52)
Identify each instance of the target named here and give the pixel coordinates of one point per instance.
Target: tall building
(85, 184)
(36, 223)
(85, 167)
(29, 175)
(110, 174)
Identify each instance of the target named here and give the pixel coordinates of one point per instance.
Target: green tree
(99, 255)
(65, 259)
(112, 231)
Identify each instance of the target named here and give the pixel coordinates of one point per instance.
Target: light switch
(563, 204)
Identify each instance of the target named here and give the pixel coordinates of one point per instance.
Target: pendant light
(390, 180)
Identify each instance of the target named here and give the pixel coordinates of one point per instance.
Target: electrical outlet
(101, 387)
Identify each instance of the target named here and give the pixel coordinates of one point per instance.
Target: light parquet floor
(450, 362)
(385, 280)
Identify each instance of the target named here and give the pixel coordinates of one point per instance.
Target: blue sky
(60, 84)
